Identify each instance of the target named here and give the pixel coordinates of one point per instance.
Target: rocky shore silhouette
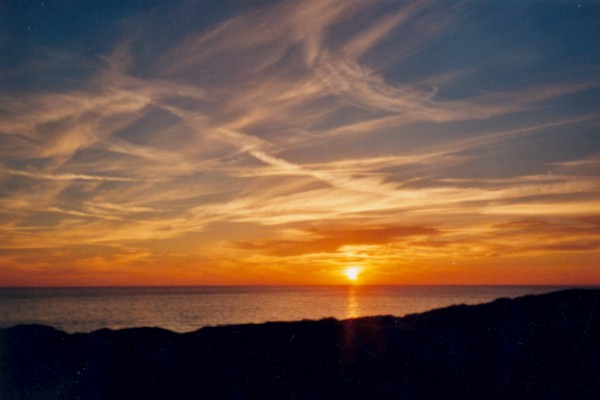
(533, 347)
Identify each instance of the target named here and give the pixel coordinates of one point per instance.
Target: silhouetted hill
(534, 347)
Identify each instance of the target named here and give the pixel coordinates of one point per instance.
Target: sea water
(185, 309)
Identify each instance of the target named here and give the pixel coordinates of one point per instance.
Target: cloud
(65, 177)
(323, 240)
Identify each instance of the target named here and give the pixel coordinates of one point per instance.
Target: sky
(242, 142)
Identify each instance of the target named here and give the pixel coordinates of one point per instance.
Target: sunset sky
(235, 142)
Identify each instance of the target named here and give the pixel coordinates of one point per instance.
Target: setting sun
(352, 273)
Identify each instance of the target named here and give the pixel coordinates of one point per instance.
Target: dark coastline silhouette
(533, 347)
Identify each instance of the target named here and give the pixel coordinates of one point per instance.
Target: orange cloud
(327, 240)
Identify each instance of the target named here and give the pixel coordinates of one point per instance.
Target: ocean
(185, 309)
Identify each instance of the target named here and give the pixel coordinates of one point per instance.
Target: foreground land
(536, 347)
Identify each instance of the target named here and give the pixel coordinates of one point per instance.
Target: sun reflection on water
(353, 306)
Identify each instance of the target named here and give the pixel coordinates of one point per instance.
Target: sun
(352, 273)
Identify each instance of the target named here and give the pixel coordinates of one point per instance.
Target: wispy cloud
(65, 177)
